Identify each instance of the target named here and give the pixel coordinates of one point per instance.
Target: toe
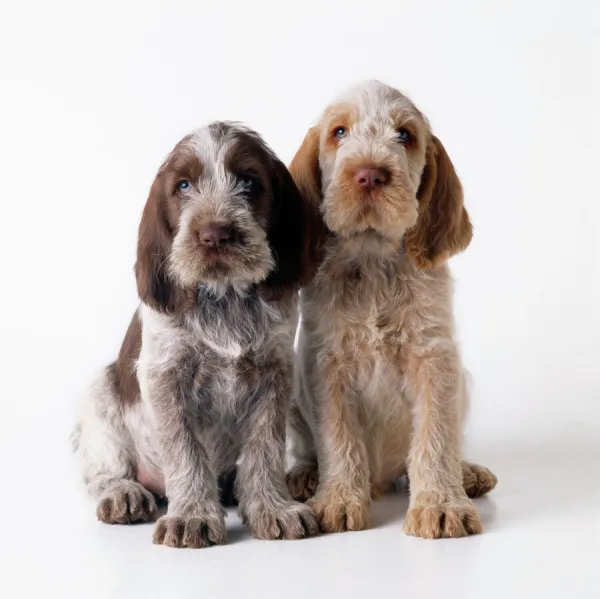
(309, 523)
(104, 510)
(471, 523)
(452, 524)
(292, 525)
(432, 522)
(193, 533)
(160, 531)
(174, 532)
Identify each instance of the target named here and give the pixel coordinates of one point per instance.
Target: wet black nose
(214, 237)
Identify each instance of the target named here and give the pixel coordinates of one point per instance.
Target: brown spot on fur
(160, 221)
(342, 115)
(122, 370)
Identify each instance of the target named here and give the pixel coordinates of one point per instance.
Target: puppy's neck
(369, 245)
(218, 290)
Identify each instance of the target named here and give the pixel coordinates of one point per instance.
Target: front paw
(190, 531)
(337, 512)
(303, 481)
(128, 503)
(434, 517)
(289, 520)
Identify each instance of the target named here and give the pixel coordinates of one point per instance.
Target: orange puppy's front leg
(343, 498)
(439, 506)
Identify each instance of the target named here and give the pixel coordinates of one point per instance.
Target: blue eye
(248, 182)
(183, 185)
(340, 132)
(403, 136)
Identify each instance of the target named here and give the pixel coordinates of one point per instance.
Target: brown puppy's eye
(340, 132)
(404, 136)
(249, 183)
(183, 185)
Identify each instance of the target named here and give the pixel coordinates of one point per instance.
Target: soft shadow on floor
(236, 531)
(538, 477)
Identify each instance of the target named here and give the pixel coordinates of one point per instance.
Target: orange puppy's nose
(370, 178)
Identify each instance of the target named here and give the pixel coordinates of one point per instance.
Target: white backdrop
(95, 93)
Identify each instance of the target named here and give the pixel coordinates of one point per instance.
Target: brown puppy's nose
(215, 237)
(370, 178)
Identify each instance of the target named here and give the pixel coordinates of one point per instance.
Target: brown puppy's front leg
(265, 503)
(195, 517)
(439, 506)
(343, 498)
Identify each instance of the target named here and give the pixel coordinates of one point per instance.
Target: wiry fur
(381, 389)
(200, 389)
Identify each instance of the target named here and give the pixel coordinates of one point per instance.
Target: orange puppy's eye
(183, 185)
(404, 136)
(340, 132)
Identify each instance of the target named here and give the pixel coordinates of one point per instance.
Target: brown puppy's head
(223, 211)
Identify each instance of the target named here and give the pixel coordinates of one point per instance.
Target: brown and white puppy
(204, 374)
(381, 389)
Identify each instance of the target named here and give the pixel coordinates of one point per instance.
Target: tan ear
(306, 172)
(443, 227)
(156, 287)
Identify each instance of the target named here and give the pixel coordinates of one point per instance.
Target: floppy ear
(443, 227)
(287, 235)
(306, 172)
(155, 239)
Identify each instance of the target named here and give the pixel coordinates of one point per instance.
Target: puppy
(381, 390)
(203, 377)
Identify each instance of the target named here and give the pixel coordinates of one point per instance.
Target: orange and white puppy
(380, 385)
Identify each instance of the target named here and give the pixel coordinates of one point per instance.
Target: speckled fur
(201, 387)
(380, 389)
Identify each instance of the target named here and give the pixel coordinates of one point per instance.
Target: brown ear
(306, 172)
(286, 235)
(156, 287)
(443, 227)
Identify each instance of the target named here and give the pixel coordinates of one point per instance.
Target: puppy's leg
(105, 448)
(343, 498)
(439, 506)
(265, 503)
(195, 517)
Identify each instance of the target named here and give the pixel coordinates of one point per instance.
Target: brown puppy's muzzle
(214, 237)
(217, 240)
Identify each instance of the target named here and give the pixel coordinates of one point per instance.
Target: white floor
(541, 539)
